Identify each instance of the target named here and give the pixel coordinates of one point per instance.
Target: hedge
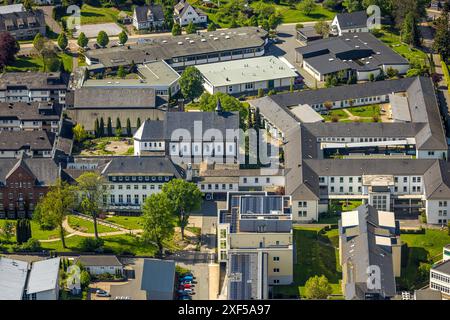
(446, 74)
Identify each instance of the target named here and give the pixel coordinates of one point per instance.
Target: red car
(185, 286)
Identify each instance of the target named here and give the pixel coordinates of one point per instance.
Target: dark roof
(176, 121)
(32, 80)
(142, 12)
(166, 48)
(443, 267)
(183, 5)
(352, 20)
(158, 276)
(45, 170)
(359, 51)
(26, 18)
(95, 260)
(142, 165)
(91, 97)
(437, 181)
(29, 111)
(33, 140)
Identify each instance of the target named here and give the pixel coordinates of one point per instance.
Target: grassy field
(35, 63)
(94, 15)
(107, 146)
(365, 112)
(36, 231)
(127, 222)
(314, 257)
(392, 39)
(83, 225)
(421, 248)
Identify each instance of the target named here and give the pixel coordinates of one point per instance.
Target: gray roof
(427, 294)
(25, 18)
(33, 140)
(13, 277)
(141, 165)
(44, 276)
(12, 8)
(166, 48)
(158, 73)
(437, 181)
(155, 10)
(359, 51)
(96, 260)
(32, 80)
(250, 283)
(31, 111)
(306, 114)
(92, 97)
(183, 5)
(357, 19)
(45, 170)
(360, 250)
(158, 277)
(175, 121)
(443, 267)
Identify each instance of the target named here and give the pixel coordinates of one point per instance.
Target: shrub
(32, 245)
(91, 244)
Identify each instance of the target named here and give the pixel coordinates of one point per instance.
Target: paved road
(48, 15)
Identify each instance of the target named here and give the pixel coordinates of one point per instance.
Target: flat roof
(12, 8)
(244, 71)
(158, 73)
(44, 275)
(306, 114)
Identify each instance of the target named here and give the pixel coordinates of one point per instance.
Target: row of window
(216, 186)
(439, 287)
(350, 179)
(256, 180)
(135, 187)
(348, 102)
(415, 189)
(440, 277)
(139, 178)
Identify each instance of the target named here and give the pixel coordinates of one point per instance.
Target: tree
(102, 127)
(328, 105)
(23, 231)
(123, 37)
(8, 230)
(55, 206)
(441, 42)
(185, 197)
(191, 28)
(138, 123)
(275, 20)
(62, 41)
(102, 39)
(121, 73)
(191, 83)
(317, 288)
(391, 72)
(91, 191)
(79, 133)
(352, 5)
(410, 31)
(307, 6)
(211, 27)
(176, 29)
(28, 4)
(371, 77)
(128, 127)
(96, 128)
(38, 42)
(82, 40)
(118, 127)
(9, 47)
(109, 127)
(157, 213)
(322, 28)
(208, 102)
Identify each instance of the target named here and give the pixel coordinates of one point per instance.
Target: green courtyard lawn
(366, 113)
(83, 225)
(129, 222)
(421, 248)
(392, 38)
(339, 113)
(36, 231)
(315, 255)
(35, 63)
(106, 146)
(95, 15)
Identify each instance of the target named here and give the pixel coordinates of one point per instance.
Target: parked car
(186, 286)
(185, 297)
(187, 278)
(188, 291)
(186, 281)
(102, 293)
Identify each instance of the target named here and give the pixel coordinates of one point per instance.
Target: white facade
(32, 95)
(98, 270)
(249, 86)
(440, 281)
(339, 31)
(190, 15)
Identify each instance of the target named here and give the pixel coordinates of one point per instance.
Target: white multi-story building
(184, 13)
(440, 278)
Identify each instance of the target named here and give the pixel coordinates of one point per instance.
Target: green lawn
(392, 38)
(365, 112)
(94, 15)
(83, 225)
(344, 205)
(25, 64)
(36, 231)
(335, 113)
(127, 222)
(66, 60)
(421, 248)
(314, 257)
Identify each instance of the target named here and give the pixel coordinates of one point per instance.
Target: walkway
(52, 23)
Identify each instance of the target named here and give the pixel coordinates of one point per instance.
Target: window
(332, 179)
(276, 269)
(276, 281)
(249, 86)
(276, 258)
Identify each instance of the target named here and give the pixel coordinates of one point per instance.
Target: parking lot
(201, 281)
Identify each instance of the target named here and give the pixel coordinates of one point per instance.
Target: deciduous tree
(191, 83)
(317, 288)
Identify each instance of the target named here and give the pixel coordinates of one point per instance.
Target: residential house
(148, 17)
(15, 144)
(307, 34)
(369, 253)
(350, 23)
(99, 264)
(184, 13)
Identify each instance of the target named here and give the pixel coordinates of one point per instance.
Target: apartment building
(440, 278)
(23, 25)
(369, 253)
(32, 87)
(255, 241)
(30, 116)
(34, 144)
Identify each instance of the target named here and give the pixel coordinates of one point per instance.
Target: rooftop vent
(191, 41)
(215, 38)
(180, 42)
(331, 59)
(164, 41)
(227, 37)
(347, 39)
(203, 40)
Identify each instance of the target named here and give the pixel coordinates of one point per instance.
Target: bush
(91, 244)
(32, 245)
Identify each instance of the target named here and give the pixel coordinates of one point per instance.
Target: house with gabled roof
(185, 13)
(349, 23)
(148, 17)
